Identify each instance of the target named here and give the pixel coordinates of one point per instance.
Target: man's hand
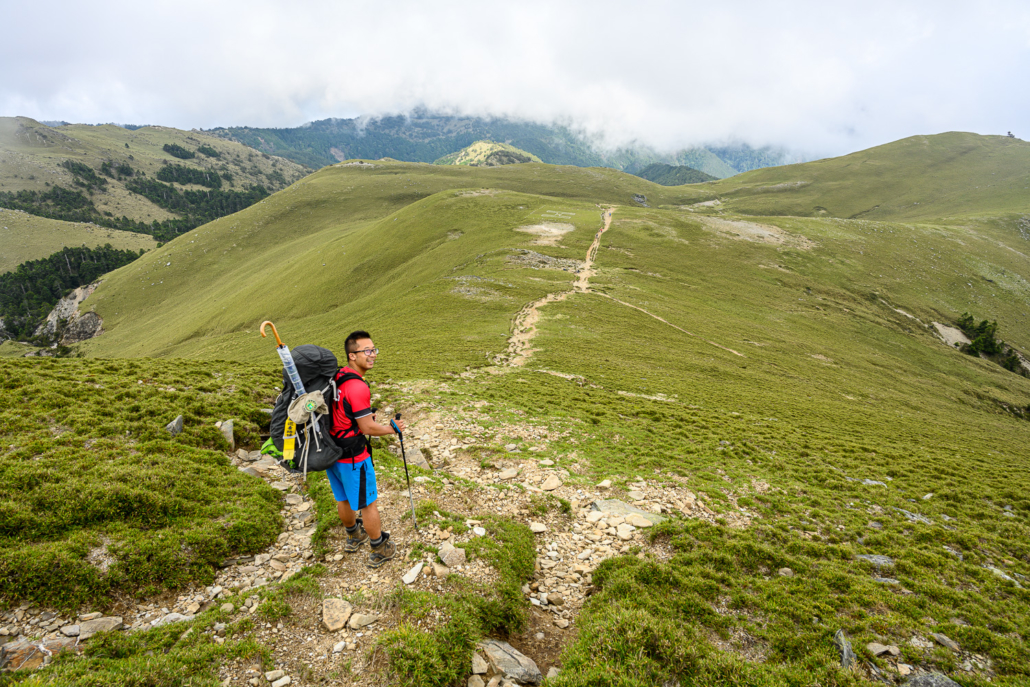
(400, 424)
(371, 428)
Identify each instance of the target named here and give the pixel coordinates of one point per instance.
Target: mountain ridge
(423, 136)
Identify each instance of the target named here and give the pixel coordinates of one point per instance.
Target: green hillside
(422, 136)
(673, 175)
(730, 338)
(487, 154)
(128, 179)
(952, 175)
(28, 237)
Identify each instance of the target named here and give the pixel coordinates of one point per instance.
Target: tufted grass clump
(96, 497)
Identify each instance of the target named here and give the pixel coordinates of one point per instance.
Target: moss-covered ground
(97, 497)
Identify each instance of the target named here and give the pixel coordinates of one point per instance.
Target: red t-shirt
(359, 398)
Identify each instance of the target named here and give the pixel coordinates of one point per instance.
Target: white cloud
(807, 75)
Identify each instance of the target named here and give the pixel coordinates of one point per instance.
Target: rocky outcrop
(65, 322)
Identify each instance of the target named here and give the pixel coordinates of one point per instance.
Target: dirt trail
(524, 329)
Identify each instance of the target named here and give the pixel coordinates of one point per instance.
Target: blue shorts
(354, 484)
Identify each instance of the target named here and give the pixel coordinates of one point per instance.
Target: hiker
(353, 480)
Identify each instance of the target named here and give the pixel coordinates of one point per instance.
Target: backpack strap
(356, 443)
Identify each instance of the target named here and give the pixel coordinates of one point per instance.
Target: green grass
(785, 373)
(97, 498)
(27, 237)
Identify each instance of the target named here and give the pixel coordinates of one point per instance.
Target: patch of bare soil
(950, 335)
(547, 233)
(758, 233)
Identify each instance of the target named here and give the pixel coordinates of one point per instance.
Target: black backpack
(318, 369)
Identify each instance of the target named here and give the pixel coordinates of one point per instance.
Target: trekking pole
(411, 498)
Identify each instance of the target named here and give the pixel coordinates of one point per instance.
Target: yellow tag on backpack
(289, 437)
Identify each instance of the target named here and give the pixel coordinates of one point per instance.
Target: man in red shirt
(353, 477)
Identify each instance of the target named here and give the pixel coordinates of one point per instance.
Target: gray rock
(175, 426)
(70, 630)
(887, 580)
(873, 483)
(360, 620)
(170, 618)
(412, 575)
(227, 608)
(877, 649)
(335, 614)
(226, 430)
(274, 675)
(450, 555)
(282, 682)
(81, 328)
(616, 507)
(441, 571)
(785, 572)
(930, 680)
(511, 663)
(479, 666)
(551, 483)
(847, 654)
(91, 627)
(553, 672)
(475, 681)
(914, 517)
(877, 560)
(635, 496)
(1001, 573)
(945, 641)
(510, 473)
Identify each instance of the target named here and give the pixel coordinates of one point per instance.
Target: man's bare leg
(369, 517)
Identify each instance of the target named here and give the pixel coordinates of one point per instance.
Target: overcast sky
(804, 75)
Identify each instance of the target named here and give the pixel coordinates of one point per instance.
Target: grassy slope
(31, 154)
(832, 382)
(952, 175)
(27, 237)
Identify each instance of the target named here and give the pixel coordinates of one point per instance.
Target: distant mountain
(673, 175)
(151, 180)
(487, 154)
(426, 137)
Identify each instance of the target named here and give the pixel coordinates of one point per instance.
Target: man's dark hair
(351, 344)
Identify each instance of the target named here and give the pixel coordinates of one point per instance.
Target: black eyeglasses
(369, 351)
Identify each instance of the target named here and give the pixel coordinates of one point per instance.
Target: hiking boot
(382, 553)
(354, 541)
